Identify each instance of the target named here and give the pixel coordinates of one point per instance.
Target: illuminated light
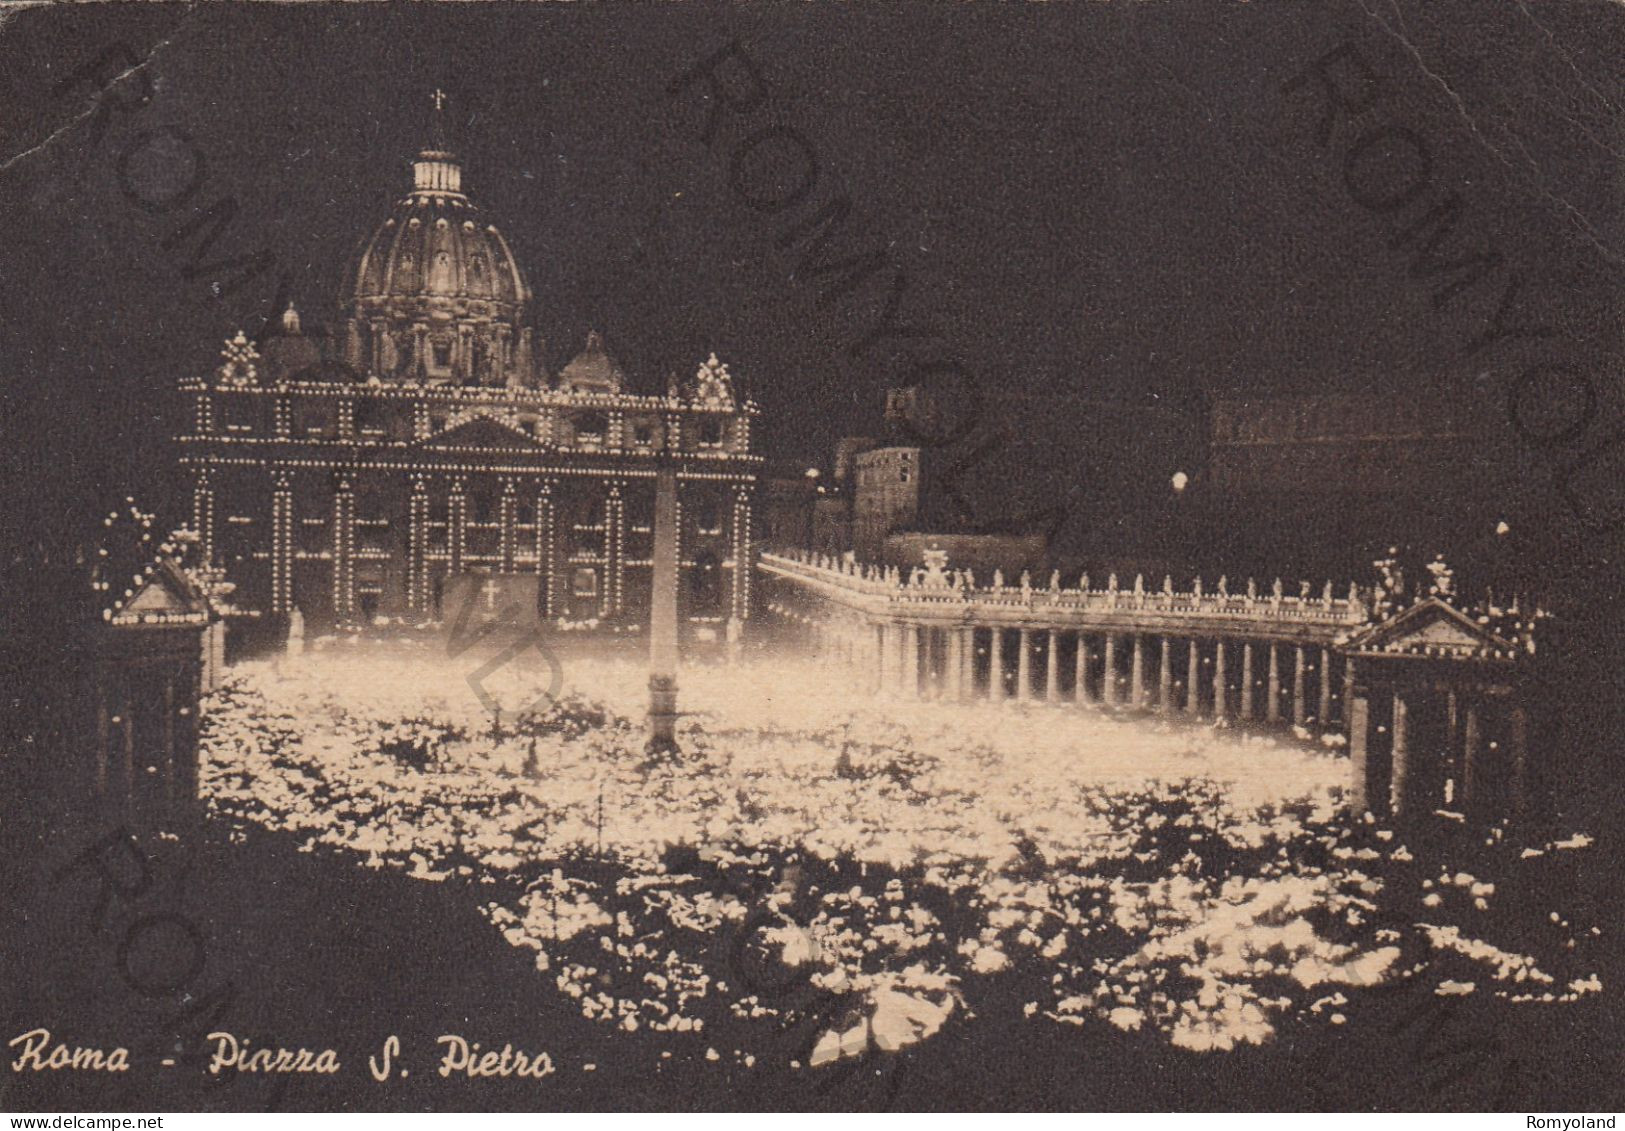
(1180, 481)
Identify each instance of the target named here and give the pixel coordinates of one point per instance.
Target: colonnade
(1247, 679)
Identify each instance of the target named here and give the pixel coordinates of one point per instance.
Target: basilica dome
(436, 294)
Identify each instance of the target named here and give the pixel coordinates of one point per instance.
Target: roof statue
(713, 387)
(593, 370)
(239, 361)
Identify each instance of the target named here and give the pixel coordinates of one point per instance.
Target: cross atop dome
(436, 169)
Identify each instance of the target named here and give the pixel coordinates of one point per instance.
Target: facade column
(609, 600)
(1472, 765)
(1358, 713)
(507, 525)
(1272, 689)
(1221, 693)
(1052, 668)
(1247, 679)
(1108, 672)
(456, 526)
(1300, 707)
(343, 552)
(1399, 800)
(1165, 677)
(995, 671)
(1024, 672)
(743, 554)
(547, 549)
(1324, 715)
(1193, 679)
(1136, 679)
(417, 548)
(203, 516)
(283, 544)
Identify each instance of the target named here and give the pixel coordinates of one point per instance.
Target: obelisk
(663, 617)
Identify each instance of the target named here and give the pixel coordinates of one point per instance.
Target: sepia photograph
(874, 557)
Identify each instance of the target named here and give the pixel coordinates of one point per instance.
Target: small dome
(593, 370)
(289, 353)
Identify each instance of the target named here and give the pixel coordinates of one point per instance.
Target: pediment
(164, 594)
(482, 432)
(1431, 628)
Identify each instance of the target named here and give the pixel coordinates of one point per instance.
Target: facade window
(370, 418)
(442, 354)
(316, 422)
(709, 517)
(584, 583)
(644, 434)
(710, 432)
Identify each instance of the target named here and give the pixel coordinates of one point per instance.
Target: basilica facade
(421, 449)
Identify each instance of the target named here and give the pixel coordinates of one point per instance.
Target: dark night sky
(1108, 208)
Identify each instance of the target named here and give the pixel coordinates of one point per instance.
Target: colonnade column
(1399, 781)
(1221, 693)
(1080, 671)
(1324, 716)
(1108, 674)
(1472, 754)
(1024, 674)
(1247, 679)
(1052, 668)
(1136, 684)
(1518, 739)
(967, 654)
(1272, 705)
(1165, 677)
(911, 660)
(1357, 711)
(883, 656)
(956, 664)
(995, 671)
(1193, 679)
(1300, 709)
